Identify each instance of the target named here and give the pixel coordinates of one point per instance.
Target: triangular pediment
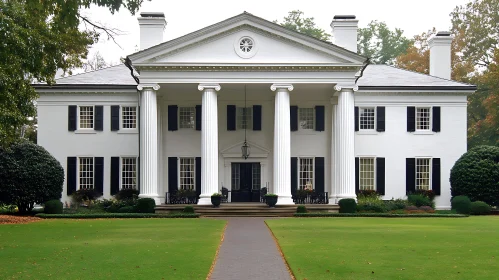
(235, 150)
(220, 44)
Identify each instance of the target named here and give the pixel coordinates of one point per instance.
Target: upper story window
(366, 118)
(187, 117)
(129, 173)
(86, 173)
(423, 173)
(86, 117)
(306, 173)
(306, 118)
(366, 174)
(187, 174)
(129, 117)
(244, 118)
(423, 118)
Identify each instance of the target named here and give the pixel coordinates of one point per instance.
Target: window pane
(86, 117)
(306, 118)
(306, 173)
(86, 173)
(129, 173)
(423, 118)
(187, 117)
(256, 176)
(244, 118)
(422, 174)
(366, 118)
(366, 174)
(187, 174)
(129, 117)
(235, 176)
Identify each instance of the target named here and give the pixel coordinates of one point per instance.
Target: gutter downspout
(367, 62)
(128, 64)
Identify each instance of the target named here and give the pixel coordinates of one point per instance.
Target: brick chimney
(152, 27)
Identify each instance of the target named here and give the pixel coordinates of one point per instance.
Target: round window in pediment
(246, 44)
(245, 47)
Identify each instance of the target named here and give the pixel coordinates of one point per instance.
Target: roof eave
(419, 88)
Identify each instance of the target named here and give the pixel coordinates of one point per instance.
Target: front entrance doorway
(246, 182)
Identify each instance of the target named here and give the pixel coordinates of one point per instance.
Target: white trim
(129, 130)
(136, 172)
(313, 171)
(430, 173)
(78, 128)
(374, 119)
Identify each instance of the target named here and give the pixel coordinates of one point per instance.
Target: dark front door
(245, 182)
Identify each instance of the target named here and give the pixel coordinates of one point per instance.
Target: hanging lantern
(246, 150)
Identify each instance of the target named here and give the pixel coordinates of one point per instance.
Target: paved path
(249, 252)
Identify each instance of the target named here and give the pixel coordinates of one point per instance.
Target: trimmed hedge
(115, 215)
(53, 207)
(462, 204)
(127, 209)
(301, 209)
(347, 205)
(188, 209)
(480, 208)
(379, 215)
(145, 205)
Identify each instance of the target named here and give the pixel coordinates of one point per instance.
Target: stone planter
(216, 200)
(271, 201)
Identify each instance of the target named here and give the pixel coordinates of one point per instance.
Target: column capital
(352, 87)
(202, 87)
(148, 86)
(275, 87)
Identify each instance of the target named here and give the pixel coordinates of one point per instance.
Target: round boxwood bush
(476, 175)
(188, 209)
(145, 205)
(126, 209)
(301, 209)
(29, 175)
(479, 208)
(462, 204)
(53, 206)
(347, 205)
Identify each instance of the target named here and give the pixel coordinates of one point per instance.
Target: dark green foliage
(479, 208)
(368, 194)
(115, 215)
(188, 209)
(28, 175)
(127, 194)
(347, 205)
(53, 206)
(127, 209)
(297, 22)
(426, 193)
(419, 200)
(377, 206)
(476, 175)
(380, 215)
(85, 195)
(397, 204)
(461, 204)
(145, 205)
(301, 209)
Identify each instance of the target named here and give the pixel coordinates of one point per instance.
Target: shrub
(29, 175)
(479, 208)
(462, 204)
(397, 204)
(145, 205)
(476, 175)
(188, 209)
(368, 193)
(127, 194)
(85, 196)
(427, 209)
(426, 193)
(419, 200)
(301, 209)
(411, 208)
(347, 205)
(372, 206)
(127, 209)
(53, 206)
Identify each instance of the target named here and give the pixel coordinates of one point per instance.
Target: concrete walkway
(249, 252)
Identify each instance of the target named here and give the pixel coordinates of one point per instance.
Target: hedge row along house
(246, 104)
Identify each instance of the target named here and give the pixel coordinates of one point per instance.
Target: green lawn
(109, 249)
(390, 248)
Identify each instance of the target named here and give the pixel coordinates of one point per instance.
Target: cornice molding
(247, 68)
(142, 87)
(288, 87)
(413, 93)
(202, 87)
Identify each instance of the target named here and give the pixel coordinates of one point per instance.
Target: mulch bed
(10, 219)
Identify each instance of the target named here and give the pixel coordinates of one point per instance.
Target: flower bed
(116, 215)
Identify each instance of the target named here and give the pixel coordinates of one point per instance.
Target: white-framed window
(306, 173)
(187, 117)
(236, 179)
(306, 118)
(367, 173)
(86, 173)
(86, 117)
(129, 117)
(423, 118)
(367, 118)
(244, 118)
(129, 173)
(187, 174)
(256, 172)
(423, 173)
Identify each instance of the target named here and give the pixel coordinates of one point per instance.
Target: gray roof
(114, 75)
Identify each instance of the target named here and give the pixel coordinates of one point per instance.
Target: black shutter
(380, 119)
(435, 176)
(319, 118)
(380, 175)
(198, 117)
(410, 175)
(293, 110)
(411, 119)
(72, 111)
(357, 178)
(115, 118)
(172, 117)
(71, 175)
(436, 119)
(356, 118)
(319, 175)
(115, 175)
(231, 117)
(99, 118)
(99, 174)
(257, 117)
(198, 176)
(172, 175)
(294, 175)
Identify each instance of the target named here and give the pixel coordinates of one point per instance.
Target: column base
(333, 200)
(157, 199)
(285, 200)
(203, 200)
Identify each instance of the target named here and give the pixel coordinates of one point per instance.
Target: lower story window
(306, 180)
(187, 174)
(129, 173)
(86, 173)
(366, 174)
(423, 174)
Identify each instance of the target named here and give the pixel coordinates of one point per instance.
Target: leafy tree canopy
(298, 22)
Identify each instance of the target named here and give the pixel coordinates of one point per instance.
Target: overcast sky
(185, 16)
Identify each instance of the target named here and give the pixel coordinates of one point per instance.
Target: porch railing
(311, 198)
(174, 198)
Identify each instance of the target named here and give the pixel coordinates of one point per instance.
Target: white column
(149, 142)
(345, 142)
(334, 154)
(209, 142)
(161, 172)
(282, 144)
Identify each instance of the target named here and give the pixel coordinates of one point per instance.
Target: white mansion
(246, 104)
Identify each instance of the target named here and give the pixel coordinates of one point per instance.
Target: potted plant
(271, 199)
(216, 198)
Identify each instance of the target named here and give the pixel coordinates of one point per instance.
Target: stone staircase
(249, 209)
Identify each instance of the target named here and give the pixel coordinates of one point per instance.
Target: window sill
(367, 132)
(423, 133)
(126, 131)
(85, 131)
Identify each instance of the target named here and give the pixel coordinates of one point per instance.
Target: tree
(28, 175)
(381, 44)
(96, 62)
(297, 22)
(36, 39)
